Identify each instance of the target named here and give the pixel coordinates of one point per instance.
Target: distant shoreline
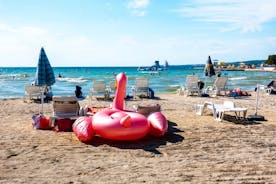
(260, 70)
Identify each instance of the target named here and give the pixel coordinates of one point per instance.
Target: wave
(13, 76)
(73, 80)
(174, 85)
(237, 78)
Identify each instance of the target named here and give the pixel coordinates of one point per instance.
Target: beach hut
(44, 76)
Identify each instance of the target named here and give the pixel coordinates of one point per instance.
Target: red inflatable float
(120, 124)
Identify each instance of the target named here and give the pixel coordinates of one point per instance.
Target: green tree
(271, 60)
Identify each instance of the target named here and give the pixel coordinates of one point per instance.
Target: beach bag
(204, 95)
(41, 122)
(147, 109)
(234, 94)
(63, 124)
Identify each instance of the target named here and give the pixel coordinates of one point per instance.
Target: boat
(154, 68)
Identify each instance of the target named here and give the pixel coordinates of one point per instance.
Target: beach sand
(196, 149)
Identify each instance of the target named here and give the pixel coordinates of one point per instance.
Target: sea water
(13, 79)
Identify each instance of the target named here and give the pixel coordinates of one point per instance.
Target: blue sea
(13, 79)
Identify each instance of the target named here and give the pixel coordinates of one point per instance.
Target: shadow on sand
(245, 122)
(148, 143)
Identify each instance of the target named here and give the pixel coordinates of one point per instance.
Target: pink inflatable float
(82, 128)
(120, 124)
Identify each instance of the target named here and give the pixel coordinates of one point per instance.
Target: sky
(135, 32)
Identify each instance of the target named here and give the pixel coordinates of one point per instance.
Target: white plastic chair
(33, 92)
(218, 86)
(65, 107)
(112, 89)
(99, 90)
(219, 110)
(141, 87)
(190, 87)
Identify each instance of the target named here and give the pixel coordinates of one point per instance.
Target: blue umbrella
(44, 73)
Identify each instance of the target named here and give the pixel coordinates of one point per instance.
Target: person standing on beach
(78, 92)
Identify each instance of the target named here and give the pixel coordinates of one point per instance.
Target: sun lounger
(65, 112)
(65, 107)
(191, 86)
(33, 92)
(112, 89)
(271, 88)
(219, 110)
(141, 87)
(99, 90)
(218, 86)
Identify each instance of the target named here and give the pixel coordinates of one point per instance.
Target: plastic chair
(141, 87)
(191, 86)
(218, 86)
(99, 90)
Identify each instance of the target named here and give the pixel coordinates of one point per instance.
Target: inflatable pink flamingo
(120, 124)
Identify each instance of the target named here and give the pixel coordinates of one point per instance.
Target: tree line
(271, 60)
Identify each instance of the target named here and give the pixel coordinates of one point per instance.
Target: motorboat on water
(154, 68)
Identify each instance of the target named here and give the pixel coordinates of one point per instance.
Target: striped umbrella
(209, 68)
(44, 73)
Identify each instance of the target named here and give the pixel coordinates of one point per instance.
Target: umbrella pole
(42, 101)
(257, 99)
(255, 116)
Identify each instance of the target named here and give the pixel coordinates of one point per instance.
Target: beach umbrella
(209, 68)
(44, 72)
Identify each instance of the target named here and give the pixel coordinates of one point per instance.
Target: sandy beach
(196, 149)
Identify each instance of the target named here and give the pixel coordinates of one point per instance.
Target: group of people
(234, 92)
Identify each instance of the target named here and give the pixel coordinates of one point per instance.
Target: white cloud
(243, 15)
(138, 7)
(26, 30)
(134, 4)
(19, 46)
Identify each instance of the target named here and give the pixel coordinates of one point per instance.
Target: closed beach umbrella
(209, 68)
(44, 72)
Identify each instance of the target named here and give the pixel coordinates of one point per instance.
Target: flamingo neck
(118, 102)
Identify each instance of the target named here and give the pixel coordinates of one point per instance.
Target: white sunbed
(33, 92)
(65, 107)
(218, 86)
(98, 90)
(190, 87)
(112, 89)
(219, 110)
(141, 87)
